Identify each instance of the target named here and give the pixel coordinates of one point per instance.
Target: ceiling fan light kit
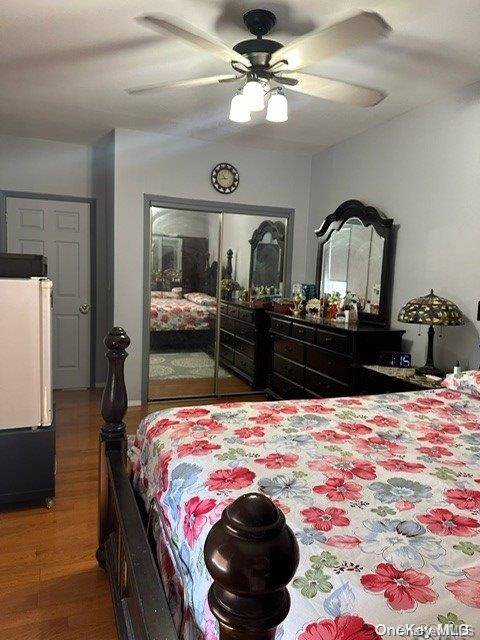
(239, 111)
(277, 110)
(259, 62)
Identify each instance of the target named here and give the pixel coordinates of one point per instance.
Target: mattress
(167, 314)
(382, 493)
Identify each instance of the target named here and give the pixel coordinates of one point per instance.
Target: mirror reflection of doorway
(198, 259)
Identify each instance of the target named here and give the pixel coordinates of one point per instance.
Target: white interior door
(61, 232)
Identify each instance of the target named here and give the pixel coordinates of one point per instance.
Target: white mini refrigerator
(25, 353)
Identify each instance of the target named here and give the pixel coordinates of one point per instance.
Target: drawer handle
(330, 363)
(329, 339)
(288, 348)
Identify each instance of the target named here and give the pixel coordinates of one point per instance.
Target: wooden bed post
(251, 555)
(113, 431)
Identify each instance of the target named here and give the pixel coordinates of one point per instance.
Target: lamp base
(429, 370)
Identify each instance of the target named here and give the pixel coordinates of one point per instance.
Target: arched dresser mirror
(267, 255)
(354, 255)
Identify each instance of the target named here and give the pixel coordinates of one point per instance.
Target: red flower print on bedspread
(467, 590)
(464, 498)
(402, 589)
(347, 468)
(341, 628)
(325, 519)
(339, 489)
(195, 517)
(236, 478)
(445, 523)
(197, 448)
(278, 460)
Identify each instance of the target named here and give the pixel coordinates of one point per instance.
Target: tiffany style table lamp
(431, 310)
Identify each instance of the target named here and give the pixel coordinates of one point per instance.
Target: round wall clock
(225, 178)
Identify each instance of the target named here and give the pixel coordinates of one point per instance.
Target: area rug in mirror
(195, 364)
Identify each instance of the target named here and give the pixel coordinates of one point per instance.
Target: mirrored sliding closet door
(183, 303)
(211, 277)
(253, 262)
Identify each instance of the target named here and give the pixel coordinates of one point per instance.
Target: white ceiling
(64, 67)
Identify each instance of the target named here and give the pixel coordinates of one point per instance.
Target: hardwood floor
(50, 585)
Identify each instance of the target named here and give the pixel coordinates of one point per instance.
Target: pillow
(202, 299)
(466, 382)
(161, 295)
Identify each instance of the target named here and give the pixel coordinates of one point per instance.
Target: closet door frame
(207, 206)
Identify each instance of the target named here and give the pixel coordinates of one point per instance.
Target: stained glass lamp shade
(431, 310)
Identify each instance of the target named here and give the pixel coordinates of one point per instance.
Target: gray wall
(423, 170)
(62, 169)
(158, 164)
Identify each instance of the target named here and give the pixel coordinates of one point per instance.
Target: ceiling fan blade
(335, 90)
(323, 43)
(193, 36)
(195, 82)
(289, 82)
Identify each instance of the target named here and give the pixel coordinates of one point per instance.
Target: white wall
(423, 170)
(162, 165)
(63, 169)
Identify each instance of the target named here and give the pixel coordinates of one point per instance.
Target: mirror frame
(369, 216)
(277, 231)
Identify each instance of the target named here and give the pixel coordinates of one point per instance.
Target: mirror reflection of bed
(183, 306)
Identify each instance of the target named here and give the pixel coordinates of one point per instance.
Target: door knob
(84, 308)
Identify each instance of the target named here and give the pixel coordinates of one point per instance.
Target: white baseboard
(134, 403)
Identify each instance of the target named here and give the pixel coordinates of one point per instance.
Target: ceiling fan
(265, 67)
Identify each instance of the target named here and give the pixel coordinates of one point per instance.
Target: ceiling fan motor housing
(258, 50)
(259, 21)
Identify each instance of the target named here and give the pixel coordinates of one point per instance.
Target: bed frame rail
(250, 552)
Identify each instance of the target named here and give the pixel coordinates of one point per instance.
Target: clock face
(225, 178)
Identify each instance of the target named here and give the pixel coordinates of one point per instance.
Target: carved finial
(114, 399)
(251, 555)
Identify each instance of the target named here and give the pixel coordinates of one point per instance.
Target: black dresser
(244, 342)
(317, 359)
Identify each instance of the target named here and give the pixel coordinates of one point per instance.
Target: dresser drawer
(228, 324)
(244, 348)
(243, 363)
(289, 349)
(246, 331)
(281, 326)
(227, 339)
(288, 369)
(334, 366)
(322, 386)
(284, 388)
(226, 353)
(246, 315)
(232, 311)
(302, 332)
(333, 341)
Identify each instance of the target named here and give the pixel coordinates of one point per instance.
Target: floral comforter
(180, 315)
(382, 493)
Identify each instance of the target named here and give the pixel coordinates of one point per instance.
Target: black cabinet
(378, 379)
(27, 465)
(318, 359)
(244, 343)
